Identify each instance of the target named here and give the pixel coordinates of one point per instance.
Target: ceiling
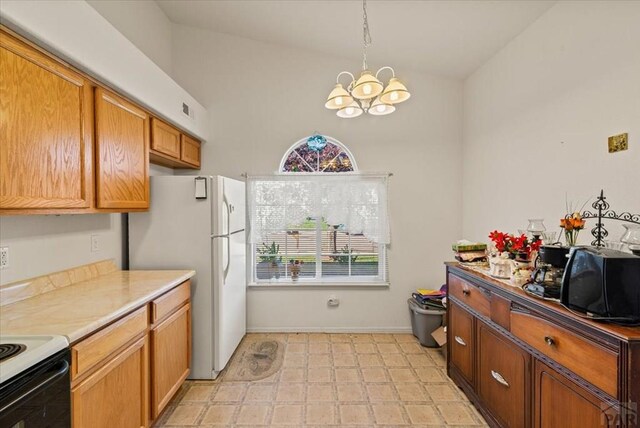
(446, 38)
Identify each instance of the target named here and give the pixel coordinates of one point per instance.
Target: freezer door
(230, 300)
(234, 194)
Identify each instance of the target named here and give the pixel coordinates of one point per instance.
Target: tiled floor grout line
(414, 367)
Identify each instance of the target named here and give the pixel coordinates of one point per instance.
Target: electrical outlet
(333, 301)
(95, 243)
(4, 257)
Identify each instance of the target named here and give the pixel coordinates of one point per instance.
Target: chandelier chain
(366, 35)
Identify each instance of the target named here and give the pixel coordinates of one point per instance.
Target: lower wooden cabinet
(560, 402)
(171, 354)
(124, 375)
(527, 362)
(116, 395)
(503, 377)
(462, 345)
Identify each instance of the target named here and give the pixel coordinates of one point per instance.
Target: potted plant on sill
(270, 256)
(294, 268)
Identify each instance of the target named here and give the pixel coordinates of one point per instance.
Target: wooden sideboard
(527, 362)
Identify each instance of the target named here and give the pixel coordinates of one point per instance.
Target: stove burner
(8, 350)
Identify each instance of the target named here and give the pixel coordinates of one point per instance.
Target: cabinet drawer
(101, 345)
(502, 377)
(462, 340)
(169, 302)
(470, 294)
(592, 362)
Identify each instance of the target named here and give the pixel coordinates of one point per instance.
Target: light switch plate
(95, 243)
(618, 143)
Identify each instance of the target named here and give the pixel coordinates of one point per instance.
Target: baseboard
(397, 330)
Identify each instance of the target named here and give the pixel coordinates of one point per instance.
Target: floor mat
(255, 360)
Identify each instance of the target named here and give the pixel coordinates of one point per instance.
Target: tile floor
(365, 380)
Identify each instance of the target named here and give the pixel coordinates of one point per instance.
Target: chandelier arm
(345, 72)
(386, 67)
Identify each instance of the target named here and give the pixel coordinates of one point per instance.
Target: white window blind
(337, 224)
(358, 202)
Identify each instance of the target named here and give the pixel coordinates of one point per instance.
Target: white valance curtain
(358, 202)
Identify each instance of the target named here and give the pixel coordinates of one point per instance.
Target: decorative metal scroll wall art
(603, 211)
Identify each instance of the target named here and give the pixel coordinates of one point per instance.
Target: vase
(295, 272)
(500, 266)
(274, 270)
(571, 236)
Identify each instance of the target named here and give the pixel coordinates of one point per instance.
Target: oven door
(40, 397)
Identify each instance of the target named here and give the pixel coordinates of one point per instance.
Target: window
(318, 153)
(312, 227)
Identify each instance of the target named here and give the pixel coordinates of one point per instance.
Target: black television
(603, 284)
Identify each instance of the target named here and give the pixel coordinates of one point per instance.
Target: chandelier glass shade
(367, 94)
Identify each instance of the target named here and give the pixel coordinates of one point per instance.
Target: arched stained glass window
(318, 153)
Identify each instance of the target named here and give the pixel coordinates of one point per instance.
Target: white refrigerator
(199, 223)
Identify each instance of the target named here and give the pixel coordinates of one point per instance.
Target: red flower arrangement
(512, 244)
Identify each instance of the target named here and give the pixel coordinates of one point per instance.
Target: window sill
(314, 284)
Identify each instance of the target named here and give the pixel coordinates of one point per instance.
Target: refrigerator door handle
(226, 268)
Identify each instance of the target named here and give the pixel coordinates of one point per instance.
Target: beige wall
(538, 114)
(43, 244)
(143, 23)
(262, 98)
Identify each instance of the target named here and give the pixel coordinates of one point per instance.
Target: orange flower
(575, 221)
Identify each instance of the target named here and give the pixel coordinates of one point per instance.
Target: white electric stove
(18, 353)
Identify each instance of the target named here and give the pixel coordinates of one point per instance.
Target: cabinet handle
(466, 291)
(460, 341)
(498, 377)
(550, 340)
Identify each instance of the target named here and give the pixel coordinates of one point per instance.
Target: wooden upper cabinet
(170, 147)
(122, 153)
(46, 129)
(190, 152)
(165, 138)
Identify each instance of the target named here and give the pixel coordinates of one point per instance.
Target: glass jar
(536, 226)
(631, 235)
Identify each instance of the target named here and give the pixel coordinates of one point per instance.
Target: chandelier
(367, 94)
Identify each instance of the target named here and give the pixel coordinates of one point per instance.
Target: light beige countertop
(81, 308)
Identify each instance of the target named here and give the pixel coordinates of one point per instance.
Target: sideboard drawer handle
(466, 291)
(550, 340)
(460, 341)
(498, 377)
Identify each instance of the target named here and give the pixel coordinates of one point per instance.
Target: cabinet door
(462, 340)
(170, 356)
(122, 153)
(117, 394)
(165, 138)
(46, 128)
(190, 152)
(560, 402)
(502, 377)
